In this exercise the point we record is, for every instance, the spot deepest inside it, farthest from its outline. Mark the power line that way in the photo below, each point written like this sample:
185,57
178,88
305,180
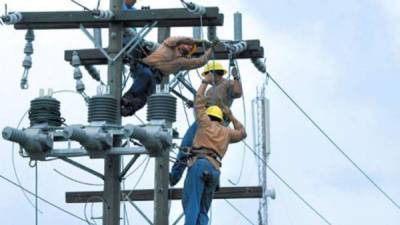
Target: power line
42,199
238,211
334,143
288,186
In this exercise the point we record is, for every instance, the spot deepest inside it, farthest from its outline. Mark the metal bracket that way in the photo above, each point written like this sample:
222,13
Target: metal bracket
128,166
91,38
82,167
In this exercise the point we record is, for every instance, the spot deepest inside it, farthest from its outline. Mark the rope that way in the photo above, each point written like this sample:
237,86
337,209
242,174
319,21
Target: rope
288,186
387,196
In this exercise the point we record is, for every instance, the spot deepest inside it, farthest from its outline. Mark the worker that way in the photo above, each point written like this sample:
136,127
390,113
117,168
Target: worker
223,90
209,147
173,55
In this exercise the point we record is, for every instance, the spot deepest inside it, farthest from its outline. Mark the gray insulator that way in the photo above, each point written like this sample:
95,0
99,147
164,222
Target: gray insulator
237,26
161,107
80,86
27,63
104,15
30,35
91,141
28,50
76,61
259,64
77,73
12,18
196,9
212,33
14,135
45,110
238,47
35,143
154,141
103,109
93,72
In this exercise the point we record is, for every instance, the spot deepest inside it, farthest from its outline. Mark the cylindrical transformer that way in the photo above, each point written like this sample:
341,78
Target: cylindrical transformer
237,26
103,108
161,106
45,110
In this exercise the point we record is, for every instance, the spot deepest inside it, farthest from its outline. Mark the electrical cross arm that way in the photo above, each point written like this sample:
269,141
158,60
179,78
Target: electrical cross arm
95,57
250,192
178,17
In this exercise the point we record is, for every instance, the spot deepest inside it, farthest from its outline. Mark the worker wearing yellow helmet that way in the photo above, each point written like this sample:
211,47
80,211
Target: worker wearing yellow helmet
223,90
210,144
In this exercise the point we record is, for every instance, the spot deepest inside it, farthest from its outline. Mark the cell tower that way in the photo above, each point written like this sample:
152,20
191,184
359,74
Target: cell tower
262,145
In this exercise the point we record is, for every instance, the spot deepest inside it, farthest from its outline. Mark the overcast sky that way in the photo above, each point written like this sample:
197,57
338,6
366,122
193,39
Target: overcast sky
338,59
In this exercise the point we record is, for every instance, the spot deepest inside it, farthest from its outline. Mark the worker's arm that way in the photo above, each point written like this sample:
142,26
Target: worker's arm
235,84
193,63
239,132
174,41
200,105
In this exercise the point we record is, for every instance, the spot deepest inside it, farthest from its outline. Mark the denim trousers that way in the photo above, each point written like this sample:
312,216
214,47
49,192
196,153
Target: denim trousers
201,182
143,86
180,165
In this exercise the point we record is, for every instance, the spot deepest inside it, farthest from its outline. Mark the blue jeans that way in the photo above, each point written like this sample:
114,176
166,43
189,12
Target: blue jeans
143,86
198,191
180,165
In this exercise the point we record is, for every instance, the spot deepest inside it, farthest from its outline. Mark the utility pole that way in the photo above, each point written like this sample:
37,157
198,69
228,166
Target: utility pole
112,163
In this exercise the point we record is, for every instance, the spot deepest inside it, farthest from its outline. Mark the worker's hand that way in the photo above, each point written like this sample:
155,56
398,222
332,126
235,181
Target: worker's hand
202,100
215,43
227,111
235,73
208,78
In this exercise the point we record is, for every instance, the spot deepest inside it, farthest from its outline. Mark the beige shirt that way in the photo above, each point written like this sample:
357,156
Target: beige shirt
223,90
213,135
167,60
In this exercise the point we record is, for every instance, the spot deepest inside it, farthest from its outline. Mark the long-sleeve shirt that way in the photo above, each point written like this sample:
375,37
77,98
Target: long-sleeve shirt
212,134
168,61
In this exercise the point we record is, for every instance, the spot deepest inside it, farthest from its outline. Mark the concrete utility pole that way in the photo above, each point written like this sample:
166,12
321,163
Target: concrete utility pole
112,164
161,181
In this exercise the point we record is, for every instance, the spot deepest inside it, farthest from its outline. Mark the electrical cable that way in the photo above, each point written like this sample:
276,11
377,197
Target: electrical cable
238,211
42,199
184,107
75,180
287,185
388,197
36,193
134,170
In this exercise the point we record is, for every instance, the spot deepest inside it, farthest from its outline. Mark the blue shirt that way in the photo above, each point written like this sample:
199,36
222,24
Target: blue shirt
127,7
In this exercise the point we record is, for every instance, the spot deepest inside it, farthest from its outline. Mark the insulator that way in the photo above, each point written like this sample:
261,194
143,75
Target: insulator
93,72
95,140
76,61
212,33
104,15
45,110
12,18
238,47
194,8
103,109
28,50
37,142
27,63
259,64
161,106
77,73
14,135
79,86
237,26
30,35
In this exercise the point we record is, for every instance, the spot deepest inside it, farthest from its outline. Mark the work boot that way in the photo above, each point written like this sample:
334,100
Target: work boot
129,105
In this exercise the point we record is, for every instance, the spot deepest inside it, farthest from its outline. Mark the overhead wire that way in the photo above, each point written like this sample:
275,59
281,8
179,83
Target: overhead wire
41,198
337,147
287,185
239,211
75,180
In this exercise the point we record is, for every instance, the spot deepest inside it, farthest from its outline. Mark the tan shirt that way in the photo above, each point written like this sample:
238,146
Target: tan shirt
168,61
223,90
213,135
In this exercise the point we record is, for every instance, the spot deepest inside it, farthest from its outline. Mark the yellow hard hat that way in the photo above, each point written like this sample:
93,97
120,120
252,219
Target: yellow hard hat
215,111
214,66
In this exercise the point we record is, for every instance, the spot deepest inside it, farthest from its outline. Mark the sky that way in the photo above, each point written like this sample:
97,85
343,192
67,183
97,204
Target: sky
337,59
